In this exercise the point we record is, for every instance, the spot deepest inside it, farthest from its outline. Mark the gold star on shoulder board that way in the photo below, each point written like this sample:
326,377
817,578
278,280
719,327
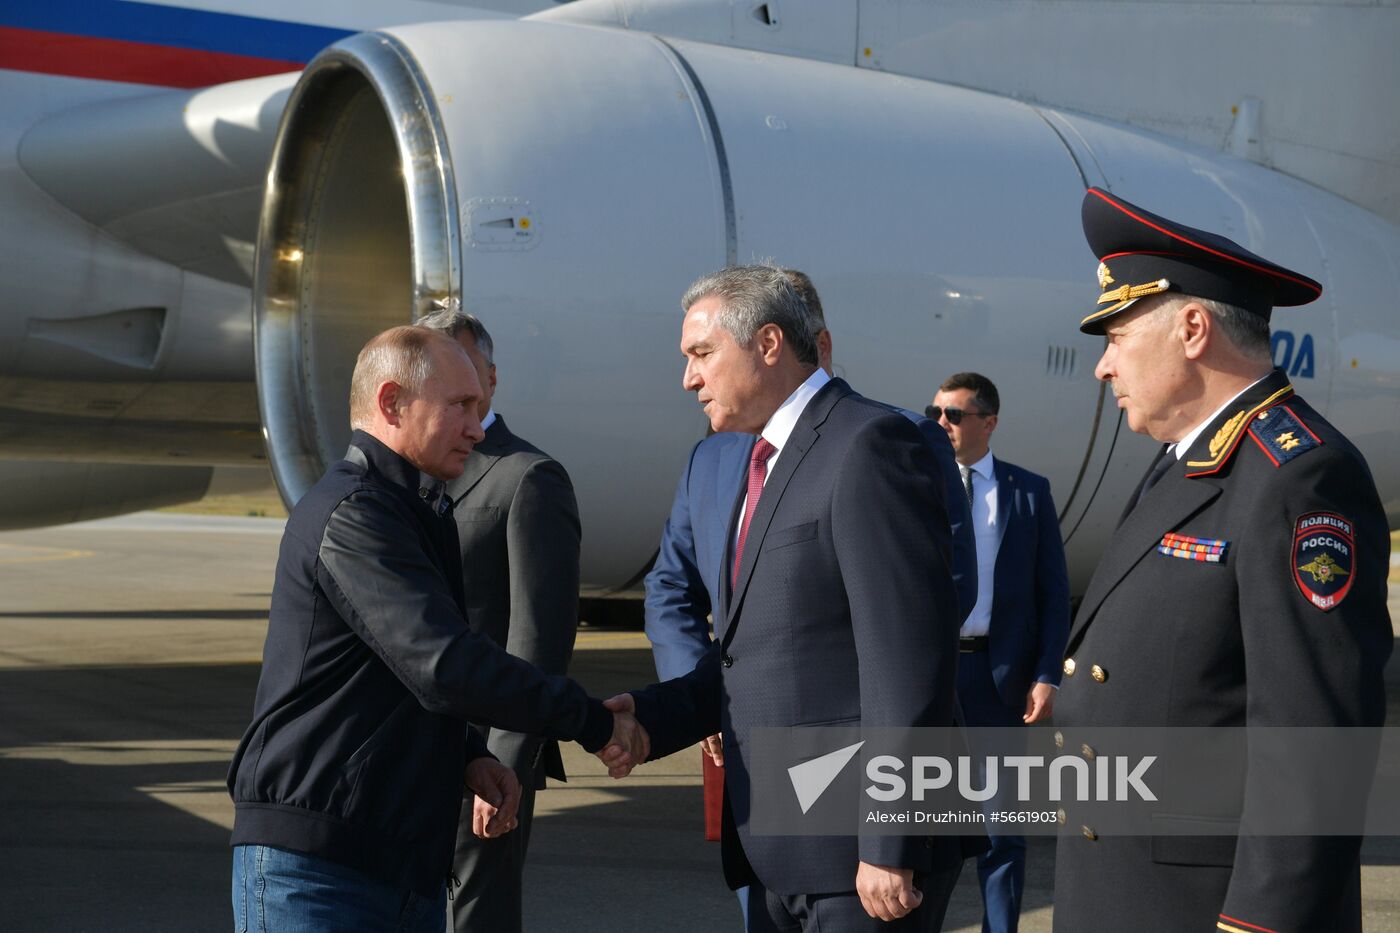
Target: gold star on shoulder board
1287,441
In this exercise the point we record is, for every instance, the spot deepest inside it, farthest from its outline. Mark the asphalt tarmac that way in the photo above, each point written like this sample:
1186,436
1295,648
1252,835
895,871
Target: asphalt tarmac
129,653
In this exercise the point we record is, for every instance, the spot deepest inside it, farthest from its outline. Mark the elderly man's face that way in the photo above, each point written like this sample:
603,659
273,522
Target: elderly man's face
439,424
726,378
1147,369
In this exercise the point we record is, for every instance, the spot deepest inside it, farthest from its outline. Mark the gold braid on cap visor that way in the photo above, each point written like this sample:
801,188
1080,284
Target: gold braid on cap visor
1119,297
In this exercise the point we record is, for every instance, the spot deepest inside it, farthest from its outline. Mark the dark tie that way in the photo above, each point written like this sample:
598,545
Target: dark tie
967,482
1164,462
758,472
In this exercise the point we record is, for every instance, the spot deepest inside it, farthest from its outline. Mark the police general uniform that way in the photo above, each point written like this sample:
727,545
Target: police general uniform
1246,586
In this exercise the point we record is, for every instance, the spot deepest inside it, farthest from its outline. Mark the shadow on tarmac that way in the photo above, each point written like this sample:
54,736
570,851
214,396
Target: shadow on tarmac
114,816
183,615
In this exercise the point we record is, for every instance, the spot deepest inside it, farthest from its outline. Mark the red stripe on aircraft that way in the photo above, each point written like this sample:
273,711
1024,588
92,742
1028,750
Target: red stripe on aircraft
57,53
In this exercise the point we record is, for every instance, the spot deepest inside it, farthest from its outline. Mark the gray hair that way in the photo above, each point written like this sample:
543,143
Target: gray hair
452,321
1246,331
400,354
756,296
816,318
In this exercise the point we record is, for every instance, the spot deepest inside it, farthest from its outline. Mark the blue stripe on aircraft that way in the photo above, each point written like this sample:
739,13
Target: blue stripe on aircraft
173,26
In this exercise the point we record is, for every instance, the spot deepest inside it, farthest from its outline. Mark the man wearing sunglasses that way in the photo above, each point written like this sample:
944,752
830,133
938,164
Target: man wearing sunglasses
1013,641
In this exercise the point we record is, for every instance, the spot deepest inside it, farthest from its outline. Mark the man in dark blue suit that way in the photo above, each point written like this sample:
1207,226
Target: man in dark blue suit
1012,643
683,586
835,600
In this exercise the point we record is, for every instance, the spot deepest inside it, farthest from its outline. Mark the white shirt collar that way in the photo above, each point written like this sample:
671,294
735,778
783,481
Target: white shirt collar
1189,438
983,467
489,420
779,427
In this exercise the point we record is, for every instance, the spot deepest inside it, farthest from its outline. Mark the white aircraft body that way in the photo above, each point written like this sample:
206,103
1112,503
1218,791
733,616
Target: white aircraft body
197,238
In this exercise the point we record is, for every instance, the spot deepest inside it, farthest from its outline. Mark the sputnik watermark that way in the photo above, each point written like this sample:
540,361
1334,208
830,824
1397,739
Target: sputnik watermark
845,780
1117,778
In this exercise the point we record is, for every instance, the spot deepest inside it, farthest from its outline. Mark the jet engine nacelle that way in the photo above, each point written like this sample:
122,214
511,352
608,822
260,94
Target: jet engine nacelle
35,493
566,183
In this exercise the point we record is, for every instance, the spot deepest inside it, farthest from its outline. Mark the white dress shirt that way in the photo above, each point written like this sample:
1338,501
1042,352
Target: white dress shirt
988,536
1183,445
489,420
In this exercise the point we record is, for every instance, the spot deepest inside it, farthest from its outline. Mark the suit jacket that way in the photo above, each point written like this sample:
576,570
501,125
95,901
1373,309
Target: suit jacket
1030,603
1182,631
682,588
843,611
518,525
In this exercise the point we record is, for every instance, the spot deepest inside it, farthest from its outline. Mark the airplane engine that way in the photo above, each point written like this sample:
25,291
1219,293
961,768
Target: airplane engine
566,183
35,493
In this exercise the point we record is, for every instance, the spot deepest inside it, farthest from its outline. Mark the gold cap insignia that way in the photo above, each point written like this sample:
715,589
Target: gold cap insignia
1104,278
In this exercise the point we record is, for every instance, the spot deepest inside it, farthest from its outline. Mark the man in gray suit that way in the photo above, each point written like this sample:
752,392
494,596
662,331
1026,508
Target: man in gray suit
518,526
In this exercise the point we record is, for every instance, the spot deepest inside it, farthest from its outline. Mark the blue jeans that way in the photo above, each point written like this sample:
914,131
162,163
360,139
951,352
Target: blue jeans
277,891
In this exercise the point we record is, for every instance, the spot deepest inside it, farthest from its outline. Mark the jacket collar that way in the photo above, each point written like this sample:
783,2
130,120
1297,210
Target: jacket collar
372,454
1215,445
483,457
1006,493
804,435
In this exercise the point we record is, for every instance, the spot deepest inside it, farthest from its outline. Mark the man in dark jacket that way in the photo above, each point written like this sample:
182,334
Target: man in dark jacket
836,603
518,525
347,783
1244,587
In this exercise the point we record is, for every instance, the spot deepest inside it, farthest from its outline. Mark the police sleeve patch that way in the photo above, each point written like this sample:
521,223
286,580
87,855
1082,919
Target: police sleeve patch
1281,434
1324,551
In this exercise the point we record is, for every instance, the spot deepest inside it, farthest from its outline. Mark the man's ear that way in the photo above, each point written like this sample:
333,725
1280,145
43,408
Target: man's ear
491,372
770,343
388,398
1195,329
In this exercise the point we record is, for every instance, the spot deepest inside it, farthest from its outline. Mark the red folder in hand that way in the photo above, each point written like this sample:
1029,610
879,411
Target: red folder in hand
713,776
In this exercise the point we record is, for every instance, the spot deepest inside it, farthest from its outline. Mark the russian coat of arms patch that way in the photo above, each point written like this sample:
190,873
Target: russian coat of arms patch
1324,546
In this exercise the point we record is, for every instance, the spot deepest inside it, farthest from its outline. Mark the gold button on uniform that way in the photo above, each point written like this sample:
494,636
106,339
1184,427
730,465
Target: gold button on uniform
1059,739
1087,751
1089,834
1069,667
1098,673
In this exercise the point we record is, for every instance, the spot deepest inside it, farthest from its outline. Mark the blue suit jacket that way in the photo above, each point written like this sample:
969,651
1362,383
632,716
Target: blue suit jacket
683,586
843,611
1030,606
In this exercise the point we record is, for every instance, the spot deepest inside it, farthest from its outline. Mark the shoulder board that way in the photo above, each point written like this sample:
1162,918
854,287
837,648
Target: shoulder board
1282,435
1227,439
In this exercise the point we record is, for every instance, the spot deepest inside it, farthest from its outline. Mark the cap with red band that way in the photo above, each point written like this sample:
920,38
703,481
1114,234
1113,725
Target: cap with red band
1142,254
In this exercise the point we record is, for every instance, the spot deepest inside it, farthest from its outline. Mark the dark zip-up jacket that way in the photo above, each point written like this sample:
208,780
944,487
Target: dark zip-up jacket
358,743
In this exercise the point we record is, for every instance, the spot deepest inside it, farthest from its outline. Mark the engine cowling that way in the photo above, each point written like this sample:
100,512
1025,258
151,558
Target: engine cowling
566,183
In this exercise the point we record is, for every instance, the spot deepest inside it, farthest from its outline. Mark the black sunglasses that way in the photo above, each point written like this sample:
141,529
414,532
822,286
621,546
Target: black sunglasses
954,415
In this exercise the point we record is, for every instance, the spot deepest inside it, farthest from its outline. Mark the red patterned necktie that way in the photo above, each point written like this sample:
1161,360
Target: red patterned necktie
758,472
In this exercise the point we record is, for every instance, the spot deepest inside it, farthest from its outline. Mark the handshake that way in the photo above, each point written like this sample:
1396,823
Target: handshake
630,745
497,789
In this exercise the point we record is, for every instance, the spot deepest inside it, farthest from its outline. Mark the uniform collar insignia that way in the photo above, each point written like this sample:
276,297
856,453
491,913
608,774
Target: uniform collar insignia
1225,434
1226,439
